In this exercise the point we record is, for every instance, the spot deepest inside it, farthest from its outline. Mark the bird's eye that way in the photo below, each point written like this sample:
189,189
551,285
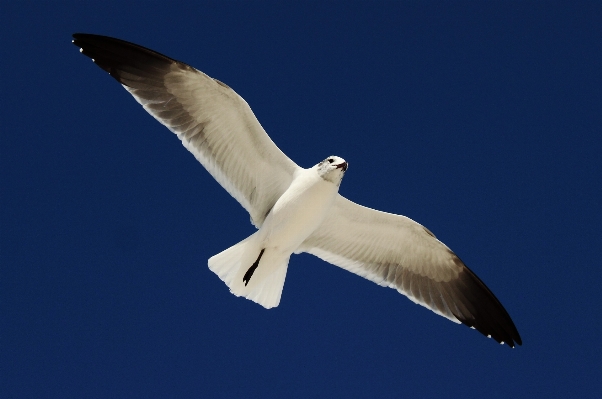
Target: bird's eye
330,160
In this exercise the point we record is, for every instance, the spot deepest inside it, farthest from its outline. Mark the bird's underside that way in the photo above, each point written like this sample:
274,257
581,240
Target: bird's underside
218,127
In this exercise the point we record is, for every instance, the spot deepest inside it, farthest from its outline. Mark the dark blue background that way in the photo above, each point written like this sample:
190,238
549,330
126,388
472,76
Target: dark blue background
480,121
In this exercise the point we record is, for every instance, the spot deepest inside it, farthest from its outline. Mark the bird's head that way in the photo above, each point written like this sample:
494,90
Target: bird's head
332,169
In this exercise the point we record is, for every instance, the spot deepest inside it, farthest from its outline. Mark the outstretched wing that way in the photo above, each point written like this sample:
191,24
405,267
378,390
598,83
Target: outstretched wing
213,122
394,251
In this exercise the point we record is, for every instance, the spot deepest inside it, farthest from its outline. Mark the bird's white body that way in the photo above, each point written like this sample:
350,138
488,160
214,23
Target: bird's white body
299,211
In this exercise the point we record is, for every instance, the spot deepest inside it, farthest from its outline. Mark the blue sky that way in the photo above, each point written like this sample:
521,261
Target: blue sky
480,121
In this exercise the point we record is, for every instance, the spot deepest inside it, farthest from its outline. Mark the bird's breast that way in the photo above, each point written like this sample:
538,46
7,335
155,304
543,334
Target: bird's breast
298,212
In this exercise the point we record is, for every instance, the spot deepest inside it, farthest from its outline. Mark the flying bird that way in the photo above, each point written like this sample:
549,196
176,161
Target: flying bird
294,209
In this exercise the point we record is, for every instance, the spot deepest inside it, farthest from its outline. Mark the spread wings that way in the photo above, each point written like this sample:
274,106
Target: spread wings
219,128
394,251
213,122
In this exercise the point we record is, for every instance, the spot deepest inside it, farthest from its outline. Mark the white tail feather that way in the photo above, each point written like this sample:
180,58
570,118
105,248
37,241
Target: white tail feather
266,283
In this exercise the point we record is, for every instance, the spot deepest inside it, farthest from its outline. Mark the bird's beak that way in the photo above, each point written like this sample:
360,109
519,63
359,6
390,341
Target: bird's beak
342,166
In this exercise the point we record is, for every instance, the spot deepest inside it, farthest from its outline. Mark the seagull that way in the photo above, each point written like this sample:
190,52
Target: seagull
294,209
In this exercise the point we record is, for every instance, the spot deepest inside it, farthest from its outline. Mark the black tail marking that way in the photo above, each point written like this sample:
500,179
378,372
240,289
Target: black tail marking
251,270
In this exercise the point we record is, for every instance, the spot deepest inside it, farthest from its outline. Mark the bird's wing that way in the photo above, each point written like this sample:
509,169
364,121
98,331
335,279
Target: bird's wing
394,251
213,122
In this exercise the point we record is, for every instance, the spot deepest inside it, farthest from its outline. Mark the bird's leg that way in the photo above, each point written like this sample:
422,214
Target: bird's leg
251,270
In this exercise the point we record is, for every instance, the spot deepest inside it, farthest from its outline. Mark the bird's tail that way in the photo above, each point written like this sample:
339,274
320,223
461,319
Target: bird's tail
251,271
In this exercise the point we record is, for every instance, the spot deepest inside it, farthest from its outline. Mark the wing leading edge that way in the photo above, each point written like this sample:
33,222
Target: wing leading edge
394,251
207,116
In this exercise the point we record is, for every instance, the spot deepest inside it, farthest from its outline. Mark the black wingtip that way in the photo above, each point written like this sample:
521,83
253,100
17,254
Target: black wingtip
487,315
127,62
83,40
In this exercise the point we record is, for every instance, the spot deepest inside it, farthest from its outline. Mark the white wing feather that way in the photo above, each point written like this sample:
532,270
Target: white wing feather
390,250
213,122
394,251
